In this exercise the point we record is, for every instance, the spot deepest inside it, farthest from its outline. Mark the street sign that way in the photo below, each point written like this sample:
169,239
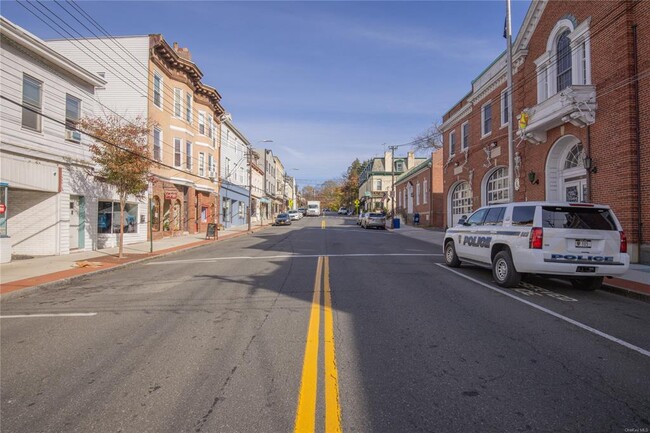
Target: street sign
357,202
367,194
170,195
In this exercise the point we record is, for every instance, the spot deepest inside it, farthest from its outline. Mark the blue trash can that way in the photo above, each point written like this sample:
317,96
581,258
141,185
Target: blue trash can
395,223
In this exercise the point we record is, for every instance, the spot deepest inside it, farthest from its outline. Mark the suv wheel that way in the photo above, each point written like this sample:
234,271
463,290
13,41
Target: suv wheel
451,258
503,270
588,283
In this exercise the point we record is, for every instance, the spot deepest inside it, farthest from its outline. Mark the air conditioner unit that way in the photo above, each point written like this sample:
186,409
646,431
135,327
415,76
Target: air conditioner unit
72,135
212,174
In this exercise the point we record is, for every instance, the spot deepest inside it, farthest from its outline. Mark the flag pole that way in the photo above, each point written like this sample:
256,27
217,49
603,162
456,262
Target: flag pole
511,147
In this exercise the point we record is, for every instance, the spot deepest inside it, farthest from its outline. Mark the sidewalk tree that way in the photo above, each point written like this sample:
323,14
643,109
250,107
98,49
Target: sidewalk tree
429,139
121,156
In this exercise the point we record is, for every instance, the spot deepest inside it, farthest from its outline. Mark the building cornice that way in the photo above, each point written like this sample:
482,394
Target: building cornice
168,57
457,116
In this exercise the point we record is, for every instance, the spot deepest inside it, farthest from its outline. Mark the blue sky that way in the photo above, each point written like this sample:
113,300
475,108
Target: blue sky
328,82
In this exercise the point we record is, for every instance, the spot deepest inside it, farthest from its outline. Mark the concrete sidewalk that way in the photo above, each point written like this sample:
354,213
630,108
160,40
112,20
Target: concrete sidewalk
635,282
21,274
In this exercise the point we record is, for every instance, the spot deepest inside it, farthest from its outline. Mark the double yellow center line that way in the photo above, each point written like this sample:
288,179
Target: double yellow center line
306,412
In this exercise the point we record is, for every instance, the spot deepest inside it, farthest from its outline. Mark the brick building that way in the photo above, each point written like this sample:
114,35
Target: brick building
578,91
419,190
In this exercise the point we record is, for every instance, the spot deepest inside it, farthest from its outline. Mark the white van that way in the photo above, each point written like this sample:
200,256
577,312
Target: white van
579,241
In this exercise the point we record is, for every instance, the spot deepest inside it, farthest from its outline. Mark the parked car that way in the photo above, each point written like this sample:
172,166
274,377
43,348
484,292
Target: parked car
577,241
343,211
303,210
374,219
294,215
360,217
282,220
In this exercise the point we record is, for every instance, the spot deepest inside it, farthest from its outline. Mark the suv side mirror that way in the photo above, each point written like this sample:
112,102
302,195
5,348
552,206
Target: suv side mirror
462,220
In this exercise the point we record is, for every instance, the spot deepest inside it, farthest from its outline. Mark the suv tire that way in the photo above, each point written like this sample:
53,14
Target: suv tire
451,258
588,283
503,270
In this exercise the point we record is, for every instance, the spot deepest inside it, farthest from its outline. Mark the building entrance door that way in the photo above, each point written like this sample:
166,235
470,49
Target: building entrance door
77,222
575,191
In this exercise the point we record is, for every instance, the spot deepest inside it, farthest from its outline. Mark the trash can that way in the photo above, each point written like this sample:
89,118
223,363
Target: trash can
395,223
416,218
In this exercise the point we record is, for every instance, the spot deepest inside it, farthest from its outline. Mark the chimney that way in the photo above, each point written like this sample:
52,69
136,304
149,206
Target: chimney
182,52
388,161
410,160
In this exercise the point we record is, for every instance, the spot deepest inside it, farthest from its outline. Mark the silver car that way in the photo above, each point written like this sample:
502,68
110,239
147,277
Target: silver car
374,219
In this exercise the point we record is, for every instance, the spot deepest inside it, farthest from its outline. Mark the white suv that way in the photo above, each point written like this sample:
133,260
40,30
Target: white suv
578,241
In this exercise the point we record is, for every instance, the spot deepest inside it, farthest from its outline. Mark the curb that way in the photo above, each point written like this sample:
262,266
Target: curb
63,281
628,293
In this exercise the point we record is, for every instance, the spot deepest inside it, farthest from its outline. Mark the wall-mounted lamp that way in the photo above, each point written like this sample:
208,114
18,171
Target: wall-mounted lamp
589,165
456,164
532,177
493,144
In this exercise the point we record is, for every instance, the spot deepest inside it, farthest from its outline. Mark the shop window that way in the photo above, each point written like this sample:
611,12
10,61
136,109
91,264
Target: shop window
108,217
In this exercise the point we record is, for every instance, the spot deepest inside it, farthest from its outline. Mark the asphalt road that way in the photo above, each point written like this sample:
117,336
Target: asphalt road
321,324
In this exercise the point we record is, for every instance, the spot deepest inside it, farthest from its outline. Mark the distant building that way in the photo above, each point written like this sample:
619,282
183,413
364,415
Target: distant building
375,181
234,176
419,191
579,94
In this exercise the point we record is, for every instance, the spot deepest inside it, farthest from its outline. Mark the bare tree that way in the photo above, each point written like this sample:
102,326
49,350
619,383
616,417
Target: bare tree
429,139
120,153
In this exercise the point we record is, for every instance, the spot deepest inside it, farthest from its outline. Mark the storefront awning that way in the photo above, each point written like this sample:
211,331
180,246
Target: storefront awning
265,200
204,188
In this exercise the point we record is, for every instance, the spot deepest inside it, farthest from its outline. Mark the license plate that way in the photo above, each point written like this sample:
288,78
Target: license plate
586,269
583,243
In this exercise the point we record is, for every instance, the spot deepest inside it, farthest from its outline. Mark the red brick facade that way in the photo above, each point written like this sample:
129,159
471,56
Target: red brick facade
611,141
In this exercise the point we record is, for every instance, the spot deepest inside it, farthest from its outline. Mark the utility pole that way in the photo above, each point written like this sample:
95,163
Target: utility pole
250,188
392,186
511,147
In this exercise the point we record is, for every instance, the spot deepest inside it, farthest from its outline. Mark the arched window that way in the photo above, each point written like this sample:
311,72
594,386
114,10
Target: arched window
575,157
563,61
497,186
461,201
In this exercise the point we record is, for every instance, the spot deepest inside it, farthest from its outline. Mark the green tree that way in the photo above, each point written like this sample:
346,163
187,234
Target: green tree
120,153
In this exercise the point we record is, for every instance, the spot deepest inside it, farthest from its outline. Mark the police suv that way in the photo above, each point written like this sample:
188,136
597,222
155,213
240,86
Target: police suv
581,242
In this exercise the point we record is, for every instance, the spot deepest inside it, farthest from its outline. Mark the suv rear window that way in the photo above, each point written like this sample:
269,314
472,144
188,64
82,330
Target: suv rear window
577,218
523,215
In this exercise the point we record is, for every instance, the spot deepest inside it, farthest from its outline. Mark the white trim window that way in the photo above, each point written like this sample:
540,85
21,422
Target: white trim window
157,143
72,117
497,186
464,131
188,108
201,164
188,155
32,103
461,200
378,184
202,122
158,90
178,102
211,129
452,143
505,110
567,59
226,169
486,119
178,152
425,191
212,169
417,194
563,61
399,199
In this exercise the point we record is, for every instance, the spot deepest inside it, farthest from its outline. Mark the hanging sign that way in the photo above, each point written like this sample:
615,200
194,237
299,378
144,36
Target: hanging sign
523,120
3,208
170,195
